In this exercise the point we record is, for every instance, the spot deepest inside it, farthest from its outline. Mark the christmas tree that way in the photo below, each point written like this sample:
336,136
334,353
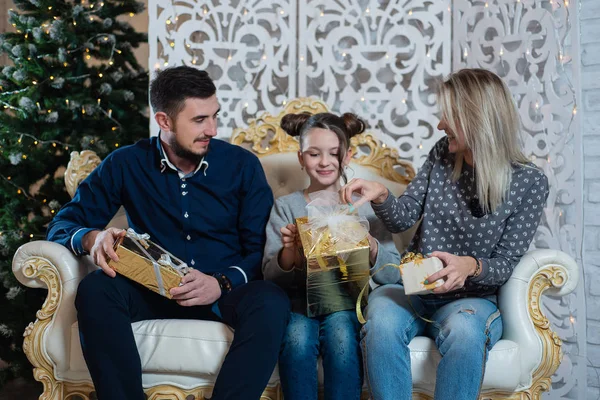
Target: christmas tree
75,85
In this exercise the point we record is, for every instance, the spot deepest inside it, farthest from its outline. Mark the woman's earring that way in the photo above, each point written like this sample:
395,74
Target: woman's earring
302,168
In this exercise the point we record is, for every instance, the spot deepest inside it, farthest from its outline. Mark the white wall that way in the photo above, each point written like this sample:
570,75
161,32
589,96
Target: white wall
590,81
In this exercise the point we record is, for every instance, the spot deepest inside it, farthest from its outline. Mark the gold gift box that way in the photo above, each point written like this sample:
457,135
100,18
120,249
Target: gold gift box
334,279
135,264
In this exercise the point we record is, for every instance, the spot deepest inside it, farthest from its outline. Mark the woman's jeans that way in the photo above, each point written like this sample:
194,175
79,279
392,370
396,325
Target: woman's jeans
464,331
336,338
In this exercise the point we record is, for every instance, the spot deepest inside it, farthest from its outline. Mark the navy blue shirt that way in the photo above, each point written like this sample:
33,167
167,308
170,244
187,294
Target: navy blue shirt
213,218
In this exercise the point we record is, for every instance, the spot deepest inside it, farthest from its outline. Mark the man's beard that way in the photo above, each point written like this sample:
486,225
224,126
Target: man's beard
184,153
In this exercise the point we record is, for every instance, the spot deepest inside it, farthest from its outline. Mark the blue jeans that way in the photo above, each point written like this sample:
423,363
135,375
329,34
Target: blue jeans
336,338
464,331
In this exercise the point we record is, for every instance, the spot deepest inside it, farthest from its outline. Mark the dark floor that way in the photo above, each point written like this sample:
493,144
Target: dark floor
21,390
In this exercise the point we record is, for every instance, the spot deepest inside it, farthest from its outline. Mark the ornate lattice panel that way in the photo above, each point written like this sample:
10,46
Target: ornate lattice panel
381,60
523,42
248,48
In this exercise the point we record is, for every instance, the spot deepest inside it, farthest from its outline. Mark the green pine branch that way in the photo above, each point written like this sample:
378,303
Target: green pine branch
74,84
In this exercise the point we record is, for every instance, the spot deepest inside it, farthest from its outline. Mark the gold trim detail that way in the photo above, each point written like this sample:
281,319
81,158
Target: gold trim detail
33,343
265,136
163,392
80,166
548,277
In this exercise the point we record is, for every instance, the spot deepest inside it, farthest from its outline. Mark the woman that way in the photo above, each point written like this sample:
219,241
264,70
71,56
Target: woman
480,201
324,153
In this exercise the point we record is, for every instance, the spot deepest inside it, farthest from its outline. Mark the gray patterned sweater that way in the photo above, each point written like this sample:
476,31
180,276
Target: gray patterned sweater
285,211
499,238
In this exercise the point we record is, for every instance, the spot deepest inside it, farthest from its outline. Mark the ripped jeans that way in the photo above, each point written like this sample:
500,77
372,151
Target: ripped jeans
336,338
464,331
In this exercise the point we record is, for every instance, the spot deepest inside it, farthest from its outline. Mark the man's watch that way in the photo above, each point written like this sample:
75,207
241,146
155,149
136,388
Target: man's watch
224,282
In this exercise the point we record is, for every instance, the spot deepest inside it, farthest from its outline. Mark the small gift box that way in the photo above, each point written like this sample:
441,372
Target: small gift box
335,252
415,269
145,262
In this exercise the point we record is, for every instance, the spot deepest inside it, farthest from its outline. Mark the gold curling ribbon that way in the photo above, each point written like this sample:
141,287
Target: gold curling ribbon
318,251
417,258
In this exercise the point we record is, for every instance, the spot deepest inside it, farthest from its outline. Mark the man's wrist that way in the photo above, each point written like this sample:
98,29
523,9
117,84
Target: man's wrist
224,282
88,240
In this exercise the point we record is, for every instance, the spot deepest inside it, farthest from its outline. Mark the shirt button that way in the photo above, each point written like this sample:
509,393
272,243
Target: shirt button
189,237
183,179
183,185
186,215
193,262
183,193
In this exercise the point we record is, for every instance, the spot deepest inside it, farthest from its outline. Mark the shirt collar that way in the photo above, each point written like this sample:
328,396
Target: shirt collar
165,162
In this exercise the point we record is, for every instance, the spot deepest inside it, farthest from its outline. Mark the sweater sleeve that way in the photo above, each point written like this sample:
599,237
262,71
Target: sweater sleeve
387,253
518,233
401,213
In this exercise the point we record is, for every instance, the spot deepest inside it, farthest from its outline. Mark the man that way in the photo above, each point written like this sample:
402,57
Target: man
207,202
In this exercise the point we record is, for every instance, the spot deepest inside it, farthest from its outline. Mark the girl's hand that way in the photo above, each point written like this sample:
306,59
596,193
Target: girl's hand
289,254
369,190
289,234
373,248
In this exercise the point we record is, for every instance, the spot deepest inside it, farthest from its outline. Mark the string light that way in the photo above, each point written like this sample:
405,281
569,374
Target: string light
131,14
110,113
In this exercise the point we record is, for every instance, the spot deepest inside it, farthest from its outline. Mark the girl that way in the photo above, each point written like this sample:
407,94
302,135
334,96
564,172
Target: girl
324,154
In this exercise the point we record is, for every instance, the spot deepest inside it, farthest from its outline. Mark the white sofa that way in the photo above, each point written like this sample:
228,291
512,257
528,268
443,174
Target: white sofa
182,358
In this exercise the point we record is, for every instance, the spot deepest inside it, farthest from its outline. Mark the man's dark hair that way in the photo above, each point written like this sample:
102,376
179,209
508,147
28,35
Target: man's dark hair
172,86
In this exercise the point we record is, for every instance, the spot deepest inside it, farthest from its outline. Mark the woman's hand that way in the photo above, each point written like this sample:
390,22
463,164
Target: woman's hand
455,272
288,255
369,190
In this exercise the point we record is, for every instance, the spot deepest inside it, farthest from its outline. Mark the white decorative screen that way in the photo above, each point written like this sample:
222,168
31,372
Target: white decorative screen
247,47
381,59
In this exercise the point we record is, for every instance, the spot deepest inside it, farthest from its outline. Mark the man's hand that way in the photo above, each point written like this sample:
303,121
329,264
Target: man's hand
456,271
197,289
100,246
369,190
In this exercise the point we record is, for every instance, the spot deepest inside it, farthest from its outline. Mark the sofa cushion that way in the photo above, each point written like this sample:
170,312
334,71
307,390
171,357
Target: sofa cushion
197,348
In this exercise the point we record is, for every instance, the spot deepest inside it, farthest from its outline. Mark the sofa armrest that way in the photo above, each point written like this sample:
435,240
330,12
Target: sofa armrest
43,264
539,272
27,260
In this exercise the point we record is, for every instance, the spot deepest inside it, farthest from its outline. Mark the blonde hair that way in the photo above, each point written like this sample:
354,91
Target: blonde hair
478,102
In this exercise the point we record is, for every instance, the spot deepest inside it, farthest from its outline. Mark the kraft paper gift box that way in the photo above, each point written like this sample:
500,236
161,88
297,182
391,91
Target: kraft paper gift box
148,264
335,253
415,269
